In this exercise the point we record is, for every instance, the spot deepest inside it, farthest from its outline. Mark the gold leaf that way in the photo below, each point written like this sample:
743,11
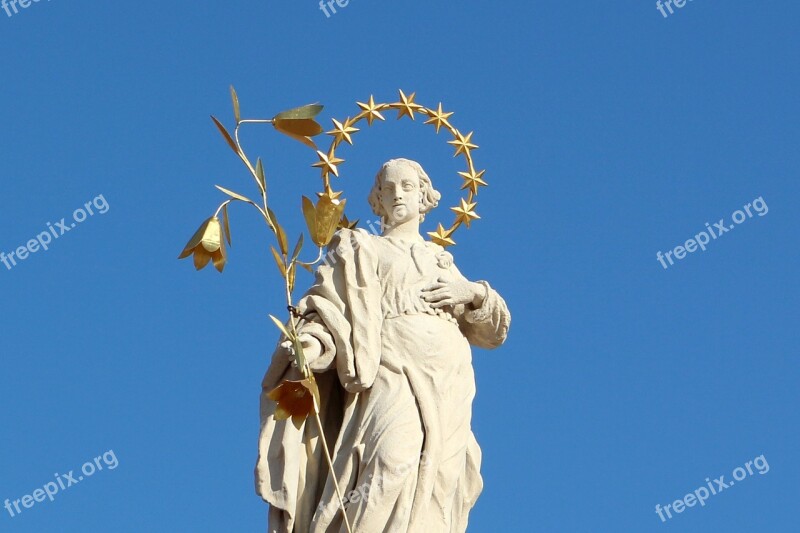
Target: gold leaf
290,276
227,135
297,247
226,224
304,111
279,261
283,242
262,178
281,327
235,99
234,195
310,214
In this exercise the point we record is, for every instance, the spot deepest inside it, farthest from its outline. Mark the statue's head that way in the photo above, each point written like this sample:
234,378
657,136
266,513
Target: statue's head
402,191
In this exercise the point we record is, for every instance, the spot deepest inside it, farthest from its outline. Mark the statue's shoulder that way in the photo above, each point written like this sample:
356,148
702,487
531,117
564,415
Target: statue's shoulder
354,237
435,248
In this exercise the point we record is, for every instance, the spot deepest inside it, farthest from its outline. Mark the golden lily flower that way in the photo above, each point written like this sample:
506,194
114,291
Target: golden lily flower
295,399
299,123
324,218
207,245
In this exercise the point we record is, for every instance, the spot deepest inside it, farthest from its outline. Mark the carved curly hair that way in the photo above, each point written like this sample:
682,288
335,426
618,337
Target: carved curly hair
429,197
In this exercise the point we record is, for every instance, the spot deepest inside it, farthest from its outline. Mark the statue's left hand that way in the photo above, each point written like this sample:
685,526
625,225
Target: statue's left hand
312,349
453,292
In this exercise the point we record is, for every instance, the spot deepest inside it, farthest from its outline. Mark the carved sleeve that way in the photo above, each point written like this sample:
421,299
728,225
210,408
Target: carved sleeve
487,326
317,329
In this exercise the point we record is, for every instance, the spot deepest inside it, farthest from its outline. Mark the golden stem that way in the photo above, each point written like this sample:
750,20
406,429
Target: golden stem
252,170
330,467
226,202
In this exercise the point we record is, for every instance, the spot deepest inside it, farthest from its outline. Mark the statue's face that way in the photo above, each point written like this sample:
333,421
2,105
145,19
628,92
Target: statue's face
400,195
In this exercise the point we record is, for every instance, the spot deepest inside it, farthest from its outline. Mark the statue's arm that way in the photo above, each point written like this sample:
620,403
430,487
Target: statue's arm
325,304
319,346
486,325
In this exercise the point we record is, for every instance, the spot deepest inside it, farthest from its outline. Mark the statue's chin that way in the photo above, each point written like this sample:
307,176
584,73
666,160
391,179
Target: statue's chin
400,215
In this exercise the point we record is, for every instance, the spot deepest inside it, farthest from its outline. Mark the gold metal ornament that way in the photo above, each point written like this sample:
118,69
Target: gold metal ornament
207,245
406,106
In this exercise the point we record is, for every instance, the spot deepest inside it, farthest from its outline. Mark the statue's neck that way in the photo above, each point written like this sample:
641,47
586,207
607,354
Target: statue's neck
406,232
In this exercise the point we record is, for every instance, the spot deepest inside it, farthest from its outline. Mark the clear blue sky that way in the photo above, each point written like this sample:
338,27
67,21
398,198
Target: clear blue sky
609,133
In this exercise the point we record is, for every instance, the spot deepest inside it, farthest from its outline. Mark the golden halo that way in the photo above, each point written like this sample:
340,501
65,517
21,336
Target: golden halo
407,107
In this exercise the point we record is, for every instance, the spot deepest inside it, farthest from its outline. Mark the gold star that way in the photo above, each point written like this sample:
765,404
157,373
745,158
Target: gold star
473,180
406,106
328,163
333,195
342,132
345,223
442,236
439,118
463,143
465,212
370,110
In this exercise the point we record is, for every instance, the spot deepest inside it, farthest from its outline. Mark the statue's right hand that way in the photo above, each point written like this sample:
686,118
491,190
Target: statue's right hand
312,348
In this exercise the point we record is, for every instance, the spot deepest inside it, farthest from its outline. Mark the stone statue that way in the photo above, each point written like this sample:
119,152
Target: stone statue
387,330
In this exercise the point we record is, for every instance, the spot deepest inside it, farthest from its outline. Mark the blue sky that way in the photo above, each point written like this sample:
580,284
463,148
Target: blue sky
609,133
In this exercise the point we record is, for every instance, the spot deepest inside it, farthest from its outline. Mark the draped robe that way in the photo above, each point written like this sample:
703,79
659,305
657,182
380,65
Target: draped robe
396,384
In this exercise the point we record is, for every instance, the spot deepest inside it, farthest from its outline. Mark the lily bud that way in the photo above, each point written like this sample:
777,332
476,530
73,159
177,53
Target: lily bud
207,245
